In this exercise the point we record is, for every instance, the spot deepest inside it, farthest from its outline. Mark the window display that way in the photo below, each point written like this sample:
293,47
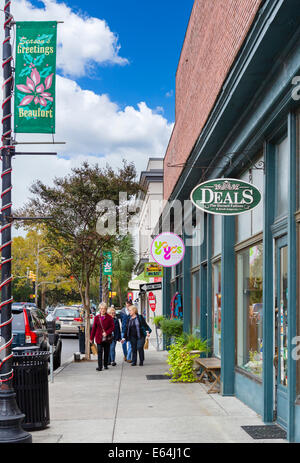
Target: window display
196,301
217,308
250,309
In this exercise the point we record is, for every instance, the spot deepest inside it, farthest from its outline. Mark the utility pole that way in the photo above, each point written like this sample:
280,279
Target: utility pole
10,415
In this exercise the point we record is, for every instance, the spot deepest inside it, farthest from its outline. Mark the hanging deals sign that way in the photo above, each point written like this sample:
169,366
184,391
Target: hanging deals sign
225,196
167,249
34,107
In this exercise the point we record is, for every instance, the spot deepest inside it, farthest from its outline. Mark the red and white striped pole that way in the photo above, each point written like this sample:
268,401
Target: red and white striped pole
10,415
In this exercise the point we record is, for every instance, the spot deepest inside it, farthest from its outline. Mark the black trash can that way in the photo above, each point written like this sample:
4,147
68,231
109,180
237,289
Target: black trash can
81,339
30,383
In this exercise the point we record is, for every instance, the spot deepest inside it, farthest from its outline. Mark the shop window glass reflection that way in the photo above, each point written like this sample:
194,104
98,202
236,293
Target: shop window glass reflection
250,309
217,308
196,301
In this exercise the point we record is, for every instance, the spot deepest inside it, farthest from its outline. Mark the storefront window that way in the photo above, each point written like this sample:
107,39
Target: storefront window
251,223
217,227
196,301
282,178
196,247
217,308
250,309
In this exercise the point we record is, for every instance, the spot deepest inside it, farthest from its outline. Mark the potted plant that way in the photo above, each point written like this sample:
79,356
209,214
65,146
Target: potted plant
157,319
171,328
195,346
180,362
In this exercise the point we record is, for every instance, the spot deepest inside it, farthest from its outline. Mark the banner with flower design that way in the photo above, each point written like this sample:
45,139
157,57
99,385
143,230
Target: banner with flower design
34,108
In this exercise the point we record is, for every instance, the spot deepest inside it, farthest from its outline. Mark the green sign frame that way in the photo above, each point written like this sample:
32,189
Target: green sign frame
225,196
35,70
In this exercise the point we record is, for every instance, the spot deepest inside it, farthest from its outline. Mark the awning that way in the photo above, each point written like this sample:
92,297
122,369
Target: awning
137,281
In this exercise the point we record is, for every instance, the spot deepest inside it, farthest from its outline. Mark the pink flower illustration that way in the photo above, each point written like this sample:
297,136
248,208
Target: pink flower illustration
36,90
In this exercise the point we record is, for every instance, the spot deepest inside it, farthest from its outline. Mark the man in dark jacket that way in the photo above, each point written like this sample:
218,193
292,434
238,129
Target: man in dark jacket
116,336
124,314
136,331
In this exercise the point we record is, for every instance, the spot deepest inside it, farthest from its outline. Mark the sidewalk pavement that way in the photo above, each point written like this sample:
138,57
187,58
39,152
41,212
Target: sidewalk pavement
121,405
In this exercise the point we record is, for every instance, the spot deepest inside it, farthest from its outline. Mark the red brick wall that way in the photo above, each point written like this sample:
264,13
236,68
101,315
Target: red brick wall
216,31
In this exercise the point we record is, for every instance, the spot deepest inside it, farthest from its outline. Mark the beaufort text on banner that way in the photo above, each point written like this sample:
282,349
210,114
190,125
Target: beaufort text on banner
35,77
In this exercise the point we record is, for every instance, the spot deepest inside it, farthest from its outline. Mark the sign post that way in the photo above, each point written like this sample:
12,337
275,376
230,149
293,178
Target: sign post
10,415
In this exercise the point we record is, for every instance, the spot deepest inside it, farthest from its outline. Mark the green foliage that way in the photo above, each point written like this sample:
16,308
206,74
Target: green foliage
193,342
181,362
171,327
157,319
123,260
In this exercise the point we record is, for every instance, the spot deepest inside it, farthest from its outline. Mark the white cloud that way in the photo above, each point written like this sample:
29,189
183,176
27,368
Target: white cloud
95,129
83,41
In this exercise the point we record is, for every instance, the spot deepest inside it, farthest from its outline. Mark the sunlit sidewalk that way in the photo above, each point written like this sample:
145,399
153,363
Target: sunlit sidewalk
122,405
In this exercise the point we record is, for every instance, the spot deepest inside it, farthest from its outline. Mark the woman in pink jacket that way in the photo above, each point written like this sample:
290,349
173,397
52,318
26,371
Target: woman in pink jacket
102,330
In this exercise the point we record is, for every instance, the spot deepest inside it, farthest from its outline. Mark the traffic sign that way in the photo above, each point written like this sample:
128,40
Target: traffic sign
150,287
152,301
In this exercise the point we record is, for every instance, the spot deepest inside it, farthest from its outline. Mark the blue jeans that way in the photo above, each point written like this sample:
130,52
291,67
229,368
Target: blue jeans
112,352
126,346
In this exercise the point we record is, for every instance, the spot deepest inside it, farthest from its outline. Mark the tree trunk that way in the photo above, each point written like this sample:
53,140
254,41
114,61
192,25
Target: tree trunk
87,312
43,297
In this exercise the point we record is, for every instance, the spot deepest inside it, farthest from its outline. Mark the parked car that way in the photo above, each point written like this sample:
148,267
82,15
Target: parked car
29,329
70,319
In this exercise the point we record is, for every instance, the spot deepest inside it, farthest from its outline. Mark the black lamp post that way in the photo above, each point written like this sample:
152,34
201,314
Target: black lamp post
10,415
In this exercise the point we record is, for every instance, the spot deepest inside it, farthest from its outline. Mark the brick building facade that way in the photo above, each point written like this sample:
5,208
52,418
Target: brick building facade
215,33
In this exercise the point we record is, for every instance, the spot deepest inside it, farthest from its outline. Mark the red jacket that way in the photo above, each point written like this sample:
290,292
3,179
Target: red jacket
107,324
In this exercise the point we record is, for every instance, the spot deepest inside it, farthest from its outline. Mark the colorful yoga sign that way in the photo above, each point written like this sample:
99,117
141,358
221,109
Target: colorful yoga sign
225,196
34,108
167,249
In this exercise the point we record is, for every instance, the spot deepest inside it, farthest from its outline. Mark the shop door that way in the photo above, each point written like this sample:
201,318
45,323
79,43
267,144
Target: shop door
281,331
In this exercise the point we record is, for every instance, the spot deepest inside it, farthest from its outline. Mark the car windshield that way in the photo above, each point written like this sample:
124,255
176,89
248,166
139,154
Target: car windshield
18,323
67,313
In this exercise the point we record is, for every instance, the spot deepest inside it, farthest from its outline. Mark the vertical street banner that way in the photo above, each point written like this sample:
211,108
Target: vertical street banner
107,263
35,68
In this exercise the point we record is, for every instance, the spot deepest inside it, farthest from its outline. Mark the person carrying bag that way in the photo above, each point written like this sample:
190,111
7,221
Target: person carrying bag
136,332
102,330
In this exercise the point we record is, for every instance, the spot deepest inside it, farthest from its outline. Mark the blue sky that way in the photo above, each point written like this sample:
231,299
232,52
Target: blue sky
151,35
111,103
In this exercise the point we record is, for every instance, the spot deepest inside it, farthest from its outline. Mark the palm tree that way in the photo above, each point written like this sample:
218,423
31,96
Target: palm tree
123,262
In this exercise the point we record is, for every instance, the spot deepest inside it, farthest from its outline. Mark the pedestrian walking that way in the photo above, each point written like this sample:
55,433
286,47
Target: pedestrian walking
126,346
136,332
116,336
102,330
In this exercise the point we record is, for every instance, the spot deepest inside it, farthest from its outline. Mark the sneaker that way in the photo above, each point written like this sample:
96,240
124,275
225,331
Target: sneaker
114,364
99,369
133,364
129,361
105,368
141,364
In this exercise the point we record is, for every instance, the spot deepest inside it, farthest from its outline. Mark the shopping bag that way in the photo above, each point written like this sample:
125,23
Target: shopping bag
146,345
94,349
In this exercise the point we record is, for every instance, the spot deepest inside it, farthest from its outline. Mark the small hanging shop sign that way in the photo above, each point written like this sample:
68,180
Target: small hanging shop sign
34,106
225,196
167,249
153,269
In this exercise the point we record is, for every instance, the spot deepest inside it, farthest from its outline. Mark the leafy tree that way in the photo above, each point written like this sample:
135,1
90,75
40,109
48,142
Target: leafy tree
72,231
30,253
123,262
